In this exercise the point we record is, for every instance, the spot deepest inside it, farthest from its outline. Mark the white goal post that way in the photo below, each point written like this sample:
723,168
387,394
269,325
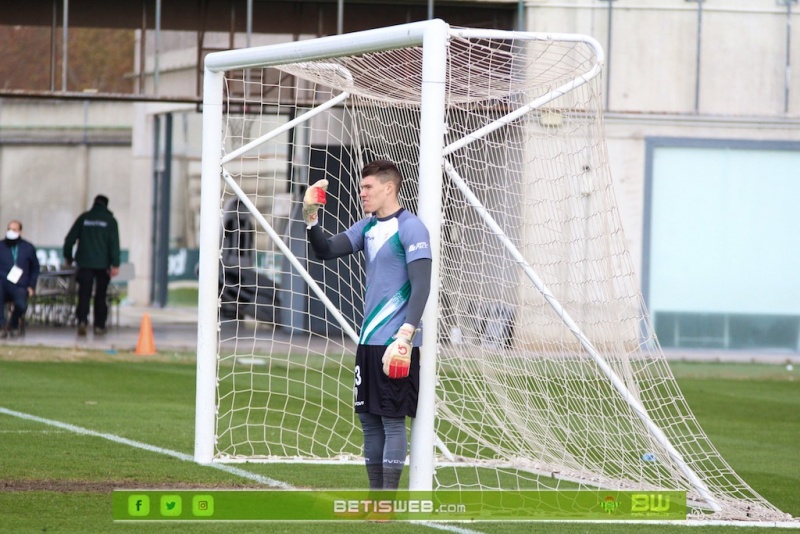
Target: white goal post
539,366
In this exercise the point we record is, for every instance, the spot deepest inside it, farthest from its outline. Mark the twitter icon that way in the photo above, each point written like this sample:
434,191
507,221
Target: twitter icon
171,505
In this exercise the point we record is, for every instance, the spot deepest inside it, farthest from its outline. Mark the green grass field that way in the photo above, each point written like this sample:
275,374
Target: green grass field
57,479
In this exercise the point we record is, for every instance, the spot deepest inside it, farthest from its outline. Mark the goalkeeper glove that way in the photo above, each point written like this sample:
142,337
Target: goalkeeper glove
397,358
314,198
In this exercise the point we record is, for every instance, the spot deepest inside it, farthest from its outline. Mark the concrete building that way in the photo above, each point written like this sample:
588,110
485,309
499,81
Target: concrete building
703,132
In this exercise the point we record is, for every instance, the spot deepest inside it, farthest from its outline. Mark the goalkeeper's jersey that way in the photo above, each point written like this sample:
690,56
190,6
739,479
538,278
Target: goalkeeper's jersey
389,245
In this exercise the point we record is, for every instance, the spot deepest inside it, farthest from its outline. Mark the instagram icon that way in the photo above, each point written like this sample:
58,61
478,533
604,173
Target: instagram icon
203,505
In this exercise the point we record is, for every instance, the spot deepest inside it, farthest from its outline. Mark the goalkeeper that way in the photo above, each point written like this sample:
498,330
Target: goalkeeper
398,265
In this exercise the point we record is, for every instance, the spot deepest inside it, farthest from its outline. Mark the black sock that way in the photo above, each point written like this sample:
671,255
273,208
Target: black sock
375,476
391,478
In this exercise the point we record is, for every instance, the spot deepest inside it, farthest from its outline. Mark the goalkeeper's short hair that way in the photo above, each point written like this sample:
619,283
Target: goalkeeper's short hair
385,170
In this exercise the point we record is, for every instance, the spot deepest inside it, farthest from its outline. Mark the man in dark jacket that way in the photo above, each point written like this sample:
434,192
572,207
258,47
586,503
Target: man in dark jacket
97,256
19,269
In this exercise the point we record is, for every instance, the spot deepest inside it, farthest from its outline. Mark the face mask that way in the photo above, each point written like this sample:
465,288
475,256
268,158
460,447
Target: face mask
12,235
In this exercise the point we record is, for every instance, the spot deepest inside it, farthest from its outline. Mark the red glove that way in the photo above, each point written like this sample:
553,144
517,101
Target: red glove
397,358
315,197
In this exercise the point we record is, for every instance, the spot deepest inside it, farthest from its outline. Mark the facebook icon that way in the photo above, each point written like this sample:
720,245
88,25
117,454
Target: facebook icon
138,505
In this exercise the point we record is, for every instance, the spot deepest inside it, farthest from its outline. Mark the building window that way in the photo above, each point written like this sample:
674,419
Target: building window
722,243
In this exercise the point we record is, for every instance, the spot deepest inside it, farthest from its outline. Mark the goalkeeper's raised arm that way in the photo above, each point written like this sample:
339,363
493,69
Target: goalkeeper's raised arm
397,256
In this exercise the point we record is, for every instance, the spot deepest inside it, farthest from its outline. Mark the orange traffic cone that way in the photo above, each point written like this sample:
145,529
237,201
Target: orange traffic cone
145,346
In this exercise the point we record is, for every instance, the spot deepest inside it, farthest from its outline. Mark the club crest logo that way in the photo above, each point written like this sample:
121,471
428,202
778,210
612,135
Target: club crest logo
609,504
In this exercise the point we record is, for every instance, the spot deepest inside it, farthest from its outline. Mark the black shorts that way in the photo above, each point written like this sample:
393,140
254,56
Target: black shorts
378,394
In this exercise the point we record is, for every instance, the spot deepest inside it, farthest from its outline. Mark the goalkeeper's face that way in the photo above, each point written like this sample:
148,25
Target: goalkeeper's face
377,197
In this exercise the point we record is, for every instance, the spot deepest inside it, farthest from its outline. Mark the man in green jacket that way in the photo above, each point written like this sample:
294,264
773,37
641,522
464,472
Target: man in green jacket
97,256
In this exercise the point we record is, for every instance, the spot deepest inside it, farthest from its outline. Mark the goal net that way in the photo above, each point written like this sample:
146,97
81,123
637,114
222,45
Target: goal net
540,366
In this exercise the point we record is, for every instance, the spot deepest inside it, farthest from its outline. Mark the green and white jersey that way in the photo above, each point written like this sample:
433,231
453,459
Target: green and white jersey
389,245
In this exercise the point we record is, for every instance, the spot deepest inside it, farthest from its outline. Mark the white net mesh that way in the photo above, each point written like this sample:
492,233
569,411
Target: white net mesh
528,212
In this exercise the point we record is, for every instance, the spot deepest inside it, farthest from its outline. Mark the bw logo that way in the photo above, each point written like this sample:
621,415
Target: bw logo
649,502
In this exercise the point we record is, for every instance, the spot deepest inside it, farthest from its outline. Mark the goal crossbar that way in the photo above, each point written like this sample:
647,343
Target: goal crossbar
393,37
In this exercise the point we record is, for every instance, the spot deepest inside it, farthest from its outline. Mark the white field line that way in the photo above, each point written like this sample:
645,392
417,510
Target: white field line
188,458
151,448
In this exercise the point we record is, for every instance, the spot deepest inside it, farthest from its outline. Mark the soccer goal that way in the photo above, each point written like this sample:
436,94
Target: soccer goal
540,369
